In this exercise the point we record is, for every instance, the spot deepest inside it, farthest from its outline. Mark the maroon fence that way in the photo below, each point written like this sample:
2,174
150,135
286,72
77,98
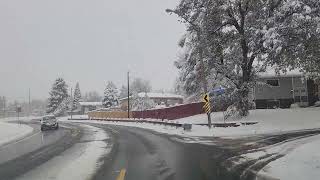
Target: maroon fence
171,113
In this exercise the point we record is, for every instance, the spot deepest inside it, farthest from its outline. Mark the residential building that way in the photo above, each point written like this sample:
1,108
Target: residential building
281,90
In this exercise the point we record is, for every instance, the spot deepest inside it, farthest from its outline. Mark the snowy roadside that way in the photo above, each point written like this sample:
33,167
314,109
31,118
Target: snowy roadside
9,119
303,162
10,132
79,162
269,121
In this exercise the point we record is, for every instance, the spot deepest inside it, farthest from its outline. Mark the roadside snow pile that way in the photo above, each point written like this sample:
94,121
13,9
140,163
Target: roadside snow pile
294,106
10,132
80,162
301,163
269,121
79,117
8,119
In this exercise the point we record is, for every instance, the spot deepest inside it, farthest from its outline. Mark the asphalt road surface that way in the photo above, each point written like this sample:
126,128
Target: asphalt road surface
19,157
137,154
146,155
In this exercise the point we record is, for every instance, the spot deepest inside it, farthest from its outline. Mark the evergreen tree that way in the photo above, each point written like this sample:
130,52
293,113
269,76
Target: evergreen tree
139,85
76,97
57,94
92,96
142,102
123,91
110,95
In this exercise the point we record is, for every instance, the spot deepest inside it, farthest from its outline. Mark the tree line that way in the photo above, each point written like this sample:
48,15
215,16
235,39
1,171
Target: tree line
60,98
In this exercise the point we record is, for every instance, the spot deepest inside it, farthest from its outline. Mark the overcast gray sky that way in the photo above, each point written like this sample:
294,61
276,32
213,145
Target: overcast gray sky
90,41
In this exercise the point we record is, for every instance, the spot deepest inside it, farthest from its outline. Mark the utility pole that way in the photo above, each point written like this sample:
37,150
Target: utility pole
29,104
128,95
71,101
4,106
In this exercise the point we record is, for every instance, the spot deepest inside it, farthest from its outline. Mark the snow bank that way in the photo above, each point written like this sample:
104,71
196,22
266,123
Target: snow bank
79,162
79,117
10,132
269,121
8,119
301,163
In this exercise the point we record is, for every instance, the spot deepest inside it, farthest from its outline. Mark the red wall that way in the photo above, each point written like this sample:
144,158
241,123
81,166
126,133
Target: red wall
171,113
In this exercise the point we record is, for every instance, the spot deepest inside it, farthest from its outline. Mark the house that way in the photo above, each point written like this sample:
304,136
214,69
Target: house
163,99
89,106
282,90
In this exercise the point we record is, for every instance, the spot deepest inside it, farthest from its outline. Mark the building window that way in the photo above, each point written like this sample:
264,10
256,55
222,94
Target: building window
273,82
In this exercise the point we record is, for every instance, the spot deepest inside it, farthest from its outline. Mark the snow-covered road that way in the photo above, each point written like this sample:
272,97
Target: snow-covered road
79,162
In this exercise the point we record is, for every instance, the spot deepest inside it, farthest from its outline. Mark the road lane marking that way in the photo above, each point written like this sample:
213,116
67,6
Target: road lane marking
122,174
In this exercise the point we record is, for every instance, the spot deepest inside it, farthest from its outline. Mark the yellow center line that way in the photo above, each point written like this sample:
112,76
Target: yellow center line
122,174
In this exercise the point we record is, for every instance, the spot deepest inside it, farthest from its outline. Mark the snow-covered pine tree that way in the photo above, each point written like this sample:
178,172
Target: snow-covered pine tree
110,95
76,97
139,85
142,102
92,96
57,94
237,39
123,91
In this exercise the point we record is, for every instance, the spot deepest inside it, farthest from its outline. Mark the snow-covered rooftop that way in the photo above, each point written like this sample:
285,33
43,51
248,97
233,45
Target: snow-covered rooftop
90,103
158,95
270,72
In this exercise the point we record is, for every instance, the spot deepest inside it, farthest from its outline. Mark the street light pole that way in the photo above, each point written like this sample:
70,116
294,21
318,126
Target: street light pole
29,104
128,95
71,100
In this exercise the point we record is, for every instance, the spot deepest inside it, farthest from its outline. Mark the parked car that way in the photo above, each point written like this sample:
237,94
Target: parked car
49,122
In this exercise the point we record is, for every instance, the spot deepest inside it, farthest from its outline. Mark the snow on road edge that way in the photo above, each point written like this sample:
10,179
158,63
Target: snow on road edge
301,163
80,162
10,132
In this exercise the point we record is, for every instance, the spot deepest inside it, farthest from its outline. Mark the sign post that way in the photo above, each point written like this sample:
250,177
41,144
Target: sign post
18,110
207,107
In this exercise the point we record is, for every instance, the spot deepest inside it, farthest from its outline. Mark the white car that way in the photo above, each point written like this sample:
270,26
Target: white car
49,122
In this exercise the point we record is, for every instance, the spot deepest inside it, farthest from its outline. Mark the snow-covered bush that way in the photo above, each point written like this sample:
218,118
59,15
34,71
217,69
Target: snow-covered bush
317,104
294,106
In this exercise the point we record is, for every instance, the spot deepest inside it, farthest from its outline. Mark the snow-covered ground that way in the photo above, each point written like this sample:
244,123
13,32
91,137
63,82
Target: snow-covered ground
10,132
269,121
78,162
303,162
8,119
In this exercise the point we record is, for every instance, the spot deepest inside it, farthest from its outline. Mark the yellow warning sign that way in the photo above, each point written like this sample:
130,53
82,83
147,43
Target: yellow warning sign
207,105
206,98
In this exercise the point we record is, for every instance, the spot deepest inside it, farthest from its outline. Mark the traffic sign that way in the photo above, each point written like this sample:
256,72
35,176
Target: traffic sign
207,106
206,98
18,109
218,91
